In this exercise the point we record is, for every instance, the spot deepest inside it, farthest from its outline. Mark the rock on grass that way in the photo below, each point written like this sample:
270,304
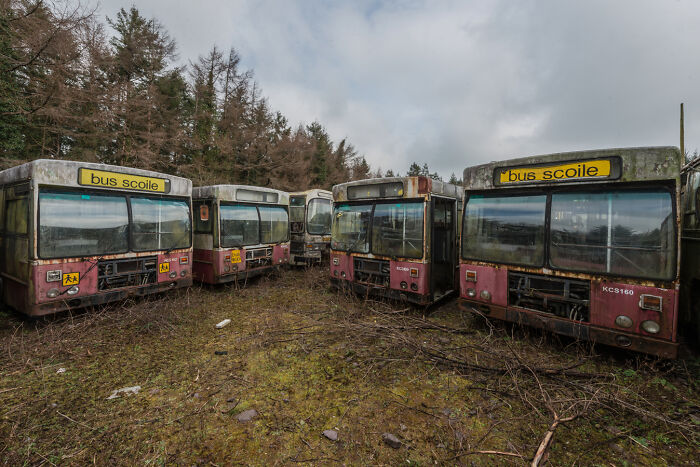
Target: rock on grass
247,415
391,440
331,434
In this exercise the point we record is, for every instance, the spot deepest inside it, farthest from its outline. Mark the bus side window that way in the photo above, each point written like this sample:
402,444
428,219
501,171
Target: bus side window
203,217
16,216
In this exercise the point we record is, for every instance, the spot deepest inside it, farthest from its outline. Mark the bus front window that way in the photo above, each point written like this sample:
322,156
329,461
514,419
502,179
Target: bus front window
319,217
274,224
78,224
629,233
397,230
505,229
160,224
240,225
297,206
350,225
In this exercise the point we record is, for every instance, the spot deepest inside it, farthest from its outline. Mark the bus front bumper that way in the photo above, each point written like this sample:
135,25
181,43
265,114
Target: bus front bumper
577,330
385,292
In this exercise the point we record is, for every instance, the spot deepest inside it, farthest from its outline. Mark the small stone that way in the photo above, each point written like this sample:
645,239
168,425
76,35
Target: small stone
331,434
617,448
221,352
247,415
60,370
391,440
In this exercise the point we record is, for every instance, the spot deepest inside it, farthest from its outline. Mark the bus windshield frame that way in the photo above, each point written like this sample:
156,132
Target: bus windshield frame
58,206
573,224
265,226
315,209
385,211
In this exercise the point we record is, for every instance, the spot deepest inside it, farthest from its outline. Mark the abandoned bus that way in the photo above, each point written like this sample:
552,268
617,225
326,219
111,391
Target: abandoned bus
310,226
239,232
396,237
584,244
76,234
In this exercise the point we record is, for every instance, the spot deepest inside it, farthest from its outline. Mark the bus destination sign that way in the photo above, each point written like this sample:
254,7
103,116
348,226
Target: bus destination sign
121,181
562,172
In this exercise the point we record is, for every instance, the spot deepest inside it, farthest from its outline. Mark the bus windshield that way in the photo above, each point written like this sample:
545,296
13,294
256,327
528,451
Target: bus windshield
77,224
160,224
274,224
318,217
240,226
397,230
505,229
628,233
350,225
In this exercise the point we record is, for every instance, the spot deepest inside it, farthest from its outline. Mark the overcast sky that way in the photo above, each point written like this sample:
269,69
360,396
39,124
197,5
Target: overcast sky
456,83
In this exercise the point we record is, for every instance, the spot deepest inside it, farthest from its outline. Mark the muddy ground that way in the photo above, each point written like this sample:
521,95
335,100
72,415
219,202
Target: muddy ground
450,388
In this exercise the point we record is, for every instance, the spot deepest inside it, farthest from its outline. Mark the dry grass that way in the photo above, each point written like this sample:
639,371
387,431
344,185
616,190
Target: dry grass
452,387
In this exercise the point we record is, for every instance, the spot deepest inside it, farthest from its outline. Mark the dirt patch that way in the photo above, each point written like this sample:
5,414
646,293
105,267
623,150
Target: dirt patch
451,388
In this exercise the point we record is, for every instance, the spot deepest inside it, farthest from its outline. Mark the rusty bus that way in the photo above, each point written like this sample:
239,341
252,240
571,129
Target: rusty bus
396,237
77,234
240,231
584,244
689,311
310,226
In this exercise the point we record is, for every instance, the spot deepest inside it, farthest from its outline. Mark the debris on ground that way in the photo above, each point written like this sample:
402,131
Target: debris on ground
331,434
223,323
60,370
391,440
128,390
247,415
221,352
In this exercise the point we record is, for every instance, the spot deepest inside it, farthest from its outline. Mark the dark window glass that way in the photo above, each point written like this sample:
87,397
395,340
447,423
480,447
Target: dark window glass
629,233
297,208
505,229
240,225
318,217
203,217
17,216
160,224
397,230
376,190
76,224
350,225
274,224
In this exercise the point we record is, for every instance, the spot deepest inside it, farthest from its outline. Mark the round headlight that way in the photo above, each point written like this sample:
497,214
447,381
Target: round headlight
73,290
652,327
414,286
227,268
404,285
471,292
335,273
624,321
342,274
183,273
485,295
52,293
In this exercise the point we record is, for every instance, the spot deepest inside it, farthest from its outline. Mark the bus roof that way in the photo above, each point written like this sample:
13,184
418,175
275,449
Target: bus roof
568,168
80,174
398,187
244,193
313,193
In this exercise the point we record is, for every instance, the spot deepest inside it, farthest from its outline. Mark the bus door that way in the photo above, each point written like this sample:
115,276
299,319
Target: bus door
15,244
443,244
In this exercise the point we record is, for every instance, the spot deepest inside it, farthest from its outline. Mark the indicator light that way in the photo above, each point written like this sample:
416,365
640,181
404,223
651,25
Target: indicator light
650,302
470,276
652,327
624,321
73,290
184,259
54,276
414,272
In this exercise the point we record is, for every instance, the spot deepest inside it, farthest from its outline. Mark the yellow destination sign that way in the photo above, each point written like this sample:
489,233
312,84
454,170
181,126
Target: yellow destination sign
120,181
554,173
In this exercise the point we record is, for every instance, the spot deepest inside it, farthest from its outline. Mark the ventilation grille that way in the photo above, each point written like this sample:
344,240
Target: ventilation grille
561,297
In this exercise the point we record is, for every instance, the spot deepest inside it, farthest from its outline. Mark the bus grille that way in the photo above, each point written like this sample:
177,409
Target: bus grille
117,273
561,297
372,271
258,258
297,248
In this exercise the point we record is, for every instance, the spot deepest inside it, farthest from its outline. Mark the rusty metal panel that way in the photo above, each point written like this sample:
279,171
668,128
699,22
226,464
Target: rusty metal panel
412,187
400,271
65,173
493,279
228,193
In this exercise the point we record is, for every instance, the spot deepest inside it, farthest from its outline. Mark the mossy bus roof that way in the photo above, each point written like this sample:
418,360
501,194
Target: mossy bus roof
410,184
638,164
228,192
65,173
313,193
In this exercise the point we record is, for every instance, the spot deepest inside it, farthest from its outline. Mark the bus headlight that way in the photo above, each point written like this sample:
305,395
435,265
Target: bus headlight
54,276
52,293
227,268
485,295
471,292
73,290
173,274
183,273
404,285
652,327
342,274
624,321
336,261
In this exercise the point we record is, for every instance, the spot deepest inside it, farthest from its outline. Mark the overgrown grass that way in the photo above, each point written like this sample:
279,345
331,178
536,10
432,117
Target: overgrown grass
451,387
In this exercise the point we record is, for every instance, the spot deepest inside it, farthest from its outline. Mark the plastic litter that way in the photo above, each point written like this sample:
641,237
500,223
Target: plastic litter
223,323
129,390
